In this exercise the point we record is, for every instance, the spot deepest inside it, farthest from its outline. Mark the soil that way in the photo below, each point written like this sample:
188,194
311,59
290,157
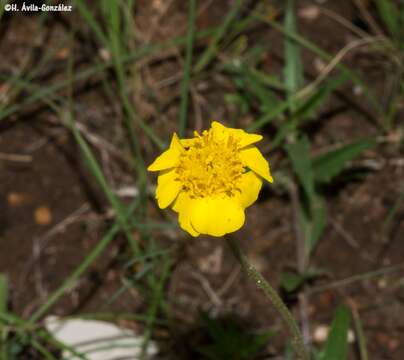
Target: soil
52,212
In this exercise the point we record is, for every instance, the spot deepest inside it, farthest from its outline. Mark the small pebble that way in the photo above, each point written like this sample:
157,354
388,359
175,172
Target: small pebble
17,199
310,13
43,215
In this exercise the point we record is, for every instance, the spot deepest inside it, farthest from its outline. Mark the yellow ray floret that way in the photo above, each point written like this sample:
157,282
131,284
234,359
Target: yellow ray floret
210,179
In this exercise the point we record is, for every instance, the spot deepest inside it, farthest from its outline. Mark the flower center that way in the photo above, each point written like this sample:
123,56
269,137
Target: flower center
210,166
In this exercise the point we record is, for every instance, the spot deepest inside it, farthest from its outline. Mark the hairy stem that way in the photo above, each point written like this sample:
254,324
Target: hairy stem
275,299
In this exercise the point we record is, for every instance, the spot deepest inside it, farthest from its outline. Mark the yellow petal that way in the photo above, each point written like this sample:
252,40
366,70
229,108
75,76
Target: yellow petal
250,186
244,138
176,143
167,188
168,158
252,157
216,216
182,205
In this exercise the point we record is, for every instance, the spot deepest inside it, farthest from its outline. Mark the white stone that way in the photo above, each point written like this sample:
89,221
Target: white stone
97,340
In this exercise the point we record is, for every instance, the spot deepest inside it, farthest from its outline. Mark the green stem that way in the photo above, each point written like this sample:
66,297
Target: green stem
275,299
361,336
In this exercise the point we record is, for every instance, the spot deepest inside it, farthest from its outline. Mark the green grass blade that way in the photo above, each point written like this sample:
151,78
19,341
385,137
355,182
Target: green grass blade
299,155
26,328
313,222
128,9
390,15
312,211
401,24
3,310
157,297
90,19
42,350
329,165
118,48
291,281
187,69
269,116
3,293
95,169
389,219
265,96
293,68
213,47
268,79
70,350
336,347
363,352
320,94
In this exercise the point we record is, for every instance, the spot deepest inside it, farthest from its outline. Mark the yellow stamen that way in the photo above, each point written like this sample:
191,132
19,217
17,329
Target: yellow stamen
210,166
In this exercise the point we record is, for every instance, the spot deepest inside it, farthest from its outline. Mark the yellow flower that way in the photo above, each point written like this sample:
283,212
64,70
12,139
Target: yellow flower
209,180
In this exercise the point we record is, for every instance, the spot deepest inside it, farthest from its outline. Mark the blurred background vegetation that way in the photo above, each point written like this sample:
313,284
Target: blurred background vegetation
89,97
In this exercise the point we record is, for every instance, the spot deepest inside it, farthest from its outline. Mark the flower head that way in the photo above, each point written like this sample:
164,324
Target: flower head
210,179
